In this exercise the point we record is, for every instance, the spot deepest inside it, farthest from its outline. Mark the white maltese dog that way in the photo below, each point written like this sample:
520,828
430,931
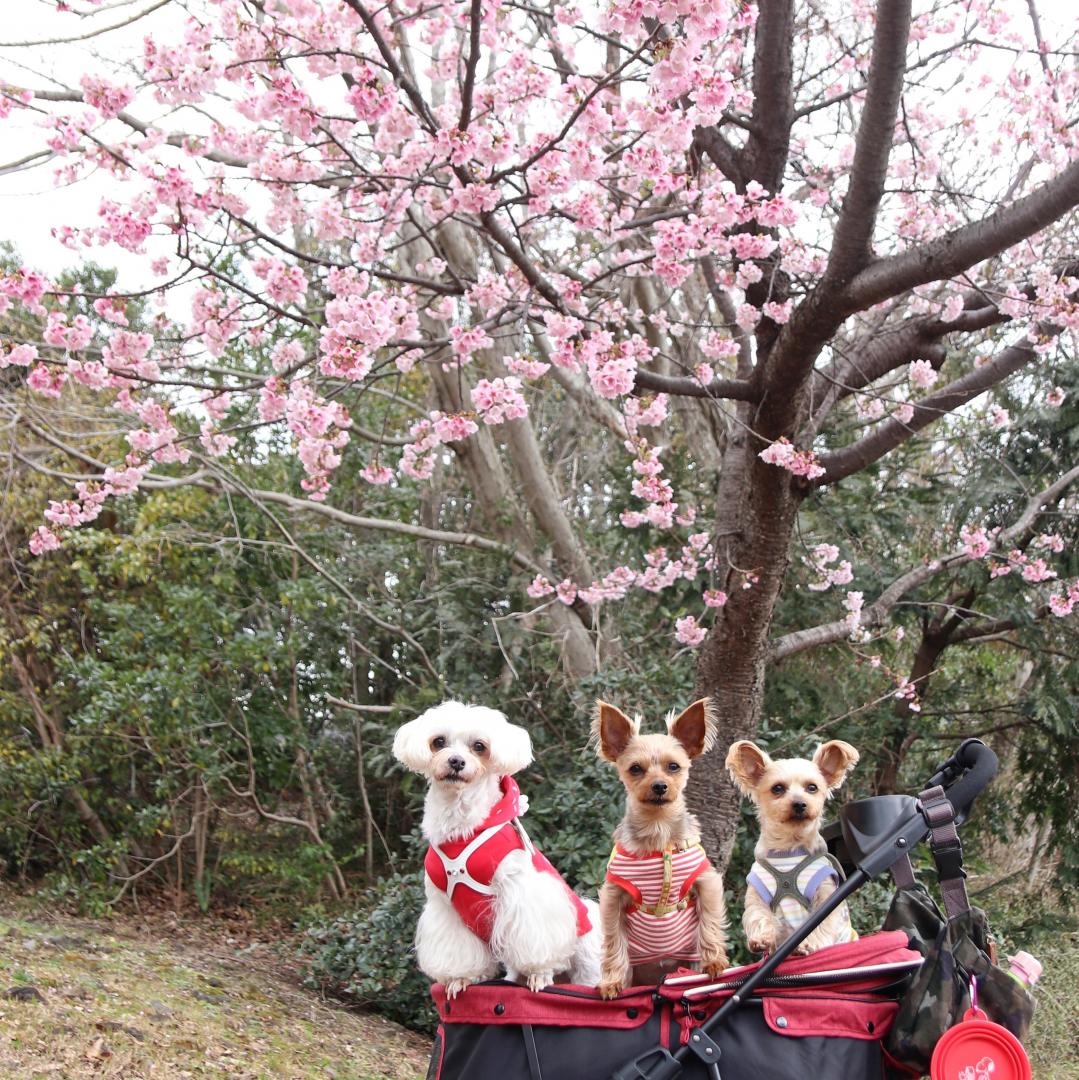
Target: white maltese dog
492,898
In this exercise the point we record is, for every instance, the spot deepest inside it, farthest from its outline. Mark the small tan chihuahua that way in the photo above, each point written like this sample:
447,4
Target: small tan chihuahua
661,905
793,873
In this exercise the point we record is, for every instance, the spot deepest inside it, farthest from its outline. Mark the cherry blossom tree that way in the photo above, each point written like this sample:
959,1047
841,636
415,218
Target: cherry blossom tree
784,241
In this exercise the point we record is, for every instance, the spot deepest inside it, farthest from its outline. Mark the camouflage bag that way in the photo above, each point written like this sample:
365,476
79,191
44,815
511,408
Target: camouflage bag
955,950
957,947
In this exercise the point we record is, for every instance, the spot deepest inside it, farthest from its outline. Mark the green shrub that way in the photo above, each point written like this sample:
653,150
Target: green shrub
368,958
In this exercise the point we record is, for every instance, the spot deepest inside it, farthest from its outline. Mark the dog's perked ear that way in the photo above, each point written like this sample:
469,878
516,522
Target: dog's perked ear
747,763
511,747
612,731
835,759
695,728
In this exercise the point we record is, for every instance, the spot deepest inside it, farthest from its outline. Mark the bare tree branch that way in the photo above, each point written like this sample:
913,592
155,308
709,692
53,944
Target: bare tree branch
851,243
764,158
958,250
892,433
475,20
89,34
732,389
874,615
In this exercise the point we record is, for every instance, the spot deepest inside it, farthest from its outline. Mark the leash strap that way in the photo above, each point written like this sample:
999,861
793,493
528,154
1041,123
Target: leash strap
903,873
947,850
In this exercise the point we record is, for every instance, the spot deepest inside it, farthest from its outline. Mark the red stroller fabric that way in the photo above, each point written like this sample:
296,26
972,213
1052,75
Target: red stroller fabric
822,1016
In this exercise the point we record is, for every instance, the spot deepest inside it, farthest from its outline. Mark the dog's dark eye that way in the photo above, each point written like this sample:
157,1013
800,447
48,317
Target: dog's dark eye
438,742
479,747
635,770
778,789
673,766
811,788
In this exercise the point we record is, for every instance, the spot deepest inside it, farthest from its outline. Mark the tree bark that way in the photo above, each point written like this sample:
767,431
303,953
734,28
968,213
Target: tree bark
756,513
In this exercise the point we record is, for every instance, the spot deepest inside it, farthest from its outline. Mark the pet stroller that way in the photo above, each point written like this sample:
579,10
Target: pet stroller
820,1017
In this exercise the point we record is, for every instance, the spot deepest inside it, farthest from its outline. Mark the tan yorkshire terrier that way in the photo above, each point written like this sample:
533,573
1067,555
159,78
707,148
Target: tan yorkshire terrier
793,873
661,905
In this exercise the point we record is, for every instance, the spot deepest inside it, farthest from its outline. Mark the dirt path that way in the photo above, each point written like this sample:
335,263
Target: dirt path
91,999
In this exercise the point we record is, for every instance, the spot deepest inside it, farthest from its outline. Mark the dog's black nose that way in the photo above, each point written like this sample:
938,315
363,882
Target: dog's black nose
798,807
457,763
659,788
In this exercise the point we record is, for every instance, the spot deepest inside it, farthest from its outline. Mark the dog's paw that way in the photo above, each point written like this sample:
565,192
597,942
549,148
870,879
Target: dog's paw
762,944
454,986
610,987
714,966
539,979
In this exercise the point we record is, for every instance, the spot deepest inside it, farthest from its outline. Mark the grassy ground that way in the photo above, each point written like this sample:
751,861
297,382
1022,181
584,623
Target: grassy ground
168,1000
90,999
1054,1036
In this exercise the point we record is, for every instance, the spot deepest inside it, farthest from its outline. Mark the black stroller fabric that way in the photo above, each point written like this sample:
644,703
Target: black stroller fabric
751,1051
825,1019
955,950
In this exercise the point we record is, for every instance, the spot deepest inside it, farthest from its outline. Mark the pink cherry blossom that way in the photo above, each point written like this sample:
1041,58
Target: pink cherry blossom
922,374
527,368
1053,542
786,456
19,356
688,632
47,381
375,473
1062,603
976,543
539,586
566,591
1038,570
216,443
104,96
853,602
907,691
499,400
43,539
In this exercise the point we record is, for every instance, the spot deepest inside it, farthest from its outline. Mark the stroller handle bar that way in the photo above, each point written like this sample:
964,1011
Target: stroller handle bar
965,775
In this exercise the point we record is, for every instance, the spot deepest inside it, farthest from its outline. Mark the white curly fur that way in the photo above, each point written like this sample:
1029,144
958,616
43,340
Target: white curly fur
534,935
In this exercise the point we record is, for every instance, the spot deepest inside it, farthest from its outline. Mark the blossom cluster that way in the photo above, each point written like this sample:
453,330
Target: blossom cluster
820,560
784,454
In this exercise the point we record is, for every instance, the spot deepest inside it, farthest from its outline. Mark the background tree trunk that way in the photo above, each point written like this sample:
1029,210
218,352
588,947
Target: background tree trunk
757,506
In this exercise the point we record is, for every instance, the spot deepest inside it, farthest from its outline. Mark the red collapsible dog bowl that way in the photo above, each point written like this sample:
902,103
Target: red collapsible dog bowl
978,1049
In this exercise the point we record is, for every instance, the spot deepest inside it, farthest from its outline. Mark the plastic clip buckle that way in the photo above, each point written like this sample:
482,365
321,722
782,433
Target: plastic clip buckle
949,859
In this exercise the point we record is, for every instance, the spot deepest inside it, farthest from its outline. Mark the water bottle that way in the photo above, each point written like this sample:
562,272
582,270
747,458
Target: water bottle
1025,969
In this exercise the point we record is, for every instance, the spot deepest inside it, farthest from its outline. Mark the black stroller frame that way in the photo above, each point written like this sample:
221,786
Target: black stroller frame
878,834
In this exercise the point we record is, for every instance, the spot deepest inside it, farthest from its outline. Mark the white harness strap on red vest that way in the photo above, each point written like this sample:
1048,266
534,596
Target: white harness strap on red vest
500,834
457,868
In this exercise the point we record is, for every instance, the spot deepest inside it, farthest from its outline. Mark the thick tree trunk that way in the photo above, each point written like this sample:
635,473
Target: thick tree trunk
757,507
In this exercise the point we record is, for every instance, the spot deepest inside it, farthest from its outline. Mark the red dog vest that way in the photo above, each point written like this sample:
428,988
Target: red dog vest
464,869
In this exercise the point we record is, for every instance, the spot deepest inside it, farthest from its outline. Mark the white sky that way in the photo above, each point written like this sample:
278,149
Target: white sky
30,203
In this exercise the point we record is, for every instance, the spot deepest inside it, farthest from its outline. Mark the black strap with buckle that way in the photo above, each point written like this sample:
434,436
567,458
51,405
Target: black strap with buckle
947,850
